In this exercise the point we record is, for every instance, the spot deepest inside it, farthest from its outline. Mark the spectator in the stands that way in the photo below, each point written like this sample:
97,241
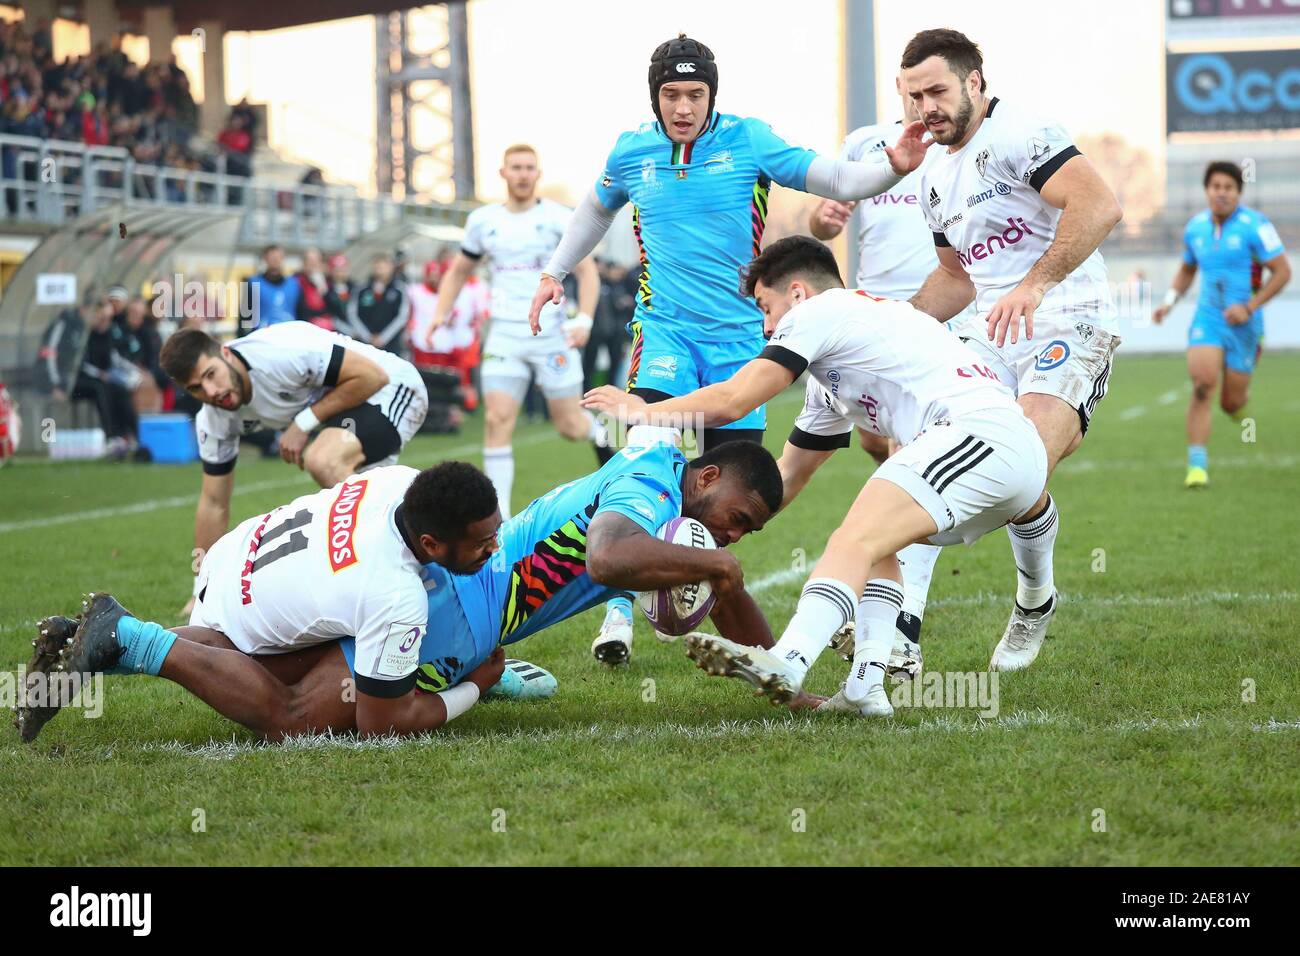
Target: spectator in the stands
314,287
339,289
378,309
60,348
273,296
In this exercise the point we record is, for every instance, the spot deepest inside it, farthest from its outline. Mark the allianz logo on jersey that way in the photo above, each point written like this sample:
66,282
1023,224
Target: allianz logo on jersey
1016,230
665,366
1001,189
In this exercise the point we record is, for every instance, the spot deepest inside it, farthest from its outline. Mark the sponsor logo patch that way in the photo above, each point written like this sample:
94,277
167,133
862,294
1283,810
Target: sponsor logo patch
665,366
343,524
401,649
982,162
1052,356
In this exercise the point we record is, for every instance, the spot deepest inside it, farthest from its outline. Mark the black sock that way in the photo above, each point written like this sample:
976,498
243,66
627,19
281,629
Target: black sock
910,625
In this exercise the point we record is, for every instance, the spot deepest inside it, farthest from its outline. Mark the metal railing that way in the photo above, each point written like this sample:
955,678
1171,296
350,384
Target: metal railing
53,182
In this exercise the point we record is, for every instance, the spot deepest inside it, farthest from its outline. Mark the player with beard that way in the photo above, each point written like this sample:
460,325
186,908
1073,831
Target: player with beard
366,403
698,181
566,552
1017,215
895,255
349,560
516,238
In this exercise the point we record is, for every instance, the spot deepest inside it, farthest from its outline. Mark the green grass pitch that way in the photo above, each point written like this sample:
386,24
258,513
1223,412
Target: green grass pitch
1161,725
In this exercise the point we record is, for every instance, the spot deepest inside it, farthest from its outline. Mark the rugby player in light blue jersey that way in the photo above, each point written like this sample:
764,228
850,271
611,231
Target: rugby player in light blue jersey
1231,244
698,182
590,539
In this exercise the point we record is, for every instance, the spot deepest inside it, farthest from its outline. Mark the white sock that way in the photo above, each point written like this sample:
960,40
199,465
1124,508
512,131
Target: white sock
499,464
597,434
917,562
1032,546
825,606
874,636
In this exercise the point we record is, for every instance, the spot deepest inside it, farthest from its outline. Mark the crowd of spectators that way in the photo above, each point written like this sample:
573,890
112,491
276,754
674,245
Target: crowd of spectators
105,99
105,352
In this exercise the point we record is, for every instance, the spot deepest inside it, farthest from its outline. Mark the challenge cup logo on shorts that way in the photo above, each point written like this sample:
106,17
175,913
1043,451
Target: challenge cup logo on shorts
343,523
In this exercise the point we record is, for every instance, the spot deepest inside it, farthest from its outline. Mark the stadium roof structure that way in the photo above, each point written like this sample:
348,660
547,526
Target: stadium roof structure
258,14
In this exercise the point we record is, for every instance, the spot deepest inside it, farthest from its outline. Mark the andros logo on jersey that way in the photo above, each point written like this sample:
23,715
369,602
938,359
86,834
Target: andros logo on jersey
343,523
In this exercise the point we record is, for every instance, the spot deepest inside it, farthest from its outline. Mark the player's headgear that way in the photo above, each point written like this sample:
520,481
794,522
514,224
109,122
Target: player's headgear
682,59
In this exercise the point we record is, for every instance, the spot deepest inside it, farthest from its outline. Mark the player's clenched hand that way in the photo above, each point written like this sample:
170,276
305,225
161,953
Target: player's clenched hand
728,579
613,402
292,442
1008,311
832,215
488,674
549,289
1159,314
907,153
1236,314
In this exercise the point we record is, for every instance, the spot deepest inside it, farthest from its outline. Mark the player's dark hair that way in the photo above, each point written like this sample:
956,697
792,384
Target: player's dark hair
1227,169
791,257
752,464
960,53
182,351
446,499
268,249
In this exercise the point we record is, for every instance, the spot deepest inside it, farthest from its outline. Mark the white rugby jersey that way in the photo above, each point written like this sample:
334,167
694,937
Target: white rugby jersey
983,201
517,245
878,364
291,365
895,246
334,564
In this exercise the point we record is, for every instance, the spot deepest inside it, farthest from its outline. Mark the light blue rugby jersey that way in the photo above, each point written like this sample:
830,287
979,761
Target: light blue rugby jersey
539,577
1229,258
698,215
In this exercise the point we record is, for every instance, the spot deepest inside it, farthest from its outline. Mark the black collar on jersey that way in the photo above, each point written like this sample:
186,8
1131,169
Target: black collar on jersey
235,352
406,537
992,103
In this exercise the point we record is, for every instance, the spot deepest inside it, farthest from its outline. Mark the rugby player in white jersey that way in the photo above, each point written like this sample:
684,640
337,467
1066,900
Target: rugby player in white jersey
971,460
348,560
517,238
895,255
1017,215
362,403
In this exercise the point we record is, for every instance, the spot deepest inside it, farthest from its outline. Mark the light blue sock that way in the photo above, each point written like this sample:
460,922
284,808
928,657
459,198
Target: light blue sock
1197,457
619,605
146,645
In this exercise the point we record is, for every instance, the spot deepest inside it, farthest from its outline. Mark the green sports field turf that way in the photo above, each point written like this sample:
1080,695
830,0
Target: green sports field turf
1161,725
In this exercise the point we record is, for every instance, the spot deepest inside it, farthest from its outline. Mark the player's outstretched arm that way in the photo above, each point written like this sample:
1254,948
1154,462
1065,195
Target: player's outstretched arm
416,711
797,466
590,222
947,290
844,179
1089,211
623,555
757,382
211,518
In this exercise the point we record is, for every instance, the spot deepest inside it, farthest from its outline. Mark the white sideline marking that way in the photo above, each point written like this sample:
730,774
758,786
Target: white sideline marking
987,598
1073,466
1169,397
177,501
1137,411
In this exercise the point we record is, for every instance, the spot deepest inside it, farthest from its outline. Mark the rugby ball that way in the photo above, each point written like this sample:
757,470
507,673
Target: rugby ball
679,610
